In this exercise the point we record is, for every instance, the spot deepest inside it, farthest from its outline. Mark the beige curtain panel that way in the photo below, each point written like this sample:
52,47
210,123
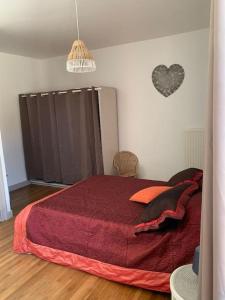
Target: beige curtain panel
212,264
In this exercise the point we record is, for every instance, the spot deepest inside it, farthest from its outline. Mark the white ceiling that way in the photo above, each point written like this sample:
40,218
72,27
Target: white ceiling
46,28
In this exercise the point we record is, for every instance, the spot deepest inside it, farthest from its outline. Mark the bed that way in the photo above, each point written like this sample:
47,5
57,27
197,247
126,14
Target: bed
90,226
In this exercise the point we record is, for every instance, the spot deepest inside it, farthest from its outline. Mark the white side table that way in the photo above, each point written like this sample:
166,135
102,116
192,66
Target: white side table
184,284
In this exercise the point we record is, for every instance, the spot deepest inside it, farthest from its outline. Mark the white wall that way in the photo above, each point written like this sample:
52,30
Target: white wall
17,75
149,124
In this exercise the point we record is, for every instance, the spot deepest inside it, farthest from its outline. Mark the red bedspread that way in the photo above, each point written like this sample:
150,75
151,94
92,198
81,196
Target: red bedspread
94,219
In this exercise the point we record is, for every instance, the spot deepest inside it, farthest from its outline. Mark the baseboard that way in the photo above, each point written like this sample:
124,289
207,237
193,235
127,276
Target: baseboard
40,182
19,185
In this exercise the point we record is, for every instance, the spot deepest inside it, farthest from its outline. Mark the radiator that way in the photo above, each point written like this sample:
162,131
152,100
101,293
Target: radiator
194,140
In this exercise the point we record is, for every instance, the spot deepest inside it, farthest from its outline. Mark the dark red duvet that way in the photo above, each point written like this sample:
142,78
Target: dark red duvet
92,223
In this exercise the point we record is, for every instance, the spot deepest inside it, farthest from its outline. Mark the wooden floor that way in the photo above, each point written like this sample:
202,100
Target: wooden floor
28,277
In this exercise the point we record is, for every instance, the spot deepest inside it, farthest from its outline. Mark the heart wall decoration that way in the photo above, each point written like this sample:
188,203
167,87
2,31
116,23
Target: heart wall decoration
168,80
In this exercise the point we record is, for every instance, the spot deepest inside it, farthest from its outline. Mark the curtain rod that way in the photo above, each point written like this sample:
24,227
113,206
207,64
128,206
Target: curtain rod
60,92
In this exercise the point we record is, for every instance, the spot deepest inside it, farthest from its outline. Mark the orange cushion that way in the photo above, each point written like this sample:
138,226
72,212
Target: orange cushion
148,194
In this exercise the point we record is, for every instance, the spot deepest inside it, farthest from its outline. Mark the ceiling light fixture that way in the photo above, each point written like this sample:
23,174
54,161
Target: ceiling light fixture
80,60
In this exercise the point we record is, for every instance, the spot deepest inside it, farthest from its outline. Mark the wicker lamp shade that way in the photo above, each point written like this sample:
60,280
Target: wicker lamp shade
80,60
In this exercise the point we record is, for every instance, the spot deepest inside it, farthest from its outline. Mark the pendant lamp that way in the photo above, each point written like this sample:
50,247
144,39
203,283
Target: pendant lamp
80,60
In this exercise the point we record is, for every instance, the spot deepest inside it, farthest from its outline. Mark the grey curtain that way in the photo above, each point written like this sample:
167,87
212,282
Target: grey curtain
5,208
61,135
40,137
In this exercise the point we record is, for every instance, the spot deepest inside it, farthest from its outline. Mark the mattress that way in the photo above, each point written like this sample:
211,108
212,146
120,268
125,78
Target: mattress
90,226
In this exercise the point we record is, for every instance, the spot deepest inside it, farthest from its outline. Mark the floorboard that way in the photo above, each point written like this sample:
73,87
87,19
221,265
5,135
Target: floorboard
27,277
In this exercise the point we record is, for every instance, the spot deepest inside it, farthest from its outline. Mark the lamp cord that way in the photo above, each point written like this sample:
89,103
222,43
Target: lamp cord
78,30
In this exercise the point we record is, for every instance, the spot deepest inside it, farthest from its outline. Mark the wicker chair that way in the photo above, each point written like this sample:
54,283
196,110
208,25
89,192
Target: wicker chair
125,163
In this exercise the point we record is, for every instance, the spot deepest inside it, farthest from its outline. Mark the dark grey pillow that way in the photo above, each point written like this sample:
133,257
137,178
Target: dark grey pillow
192,174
